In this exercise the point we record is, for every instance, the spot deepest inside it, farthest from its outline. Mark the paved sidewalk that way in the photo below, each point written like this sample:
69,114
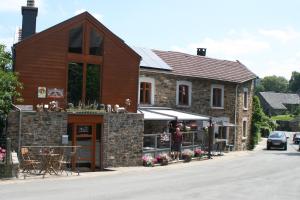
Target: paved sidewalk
121,170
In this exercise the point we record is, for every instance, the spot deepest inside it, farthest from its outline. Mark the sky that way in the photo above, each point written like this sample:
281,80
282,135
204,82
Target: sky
262,34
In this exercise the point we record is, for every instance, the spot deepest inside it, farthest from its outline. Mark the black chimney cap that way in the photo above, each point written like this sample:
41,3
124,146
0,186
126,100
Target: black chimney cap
201,51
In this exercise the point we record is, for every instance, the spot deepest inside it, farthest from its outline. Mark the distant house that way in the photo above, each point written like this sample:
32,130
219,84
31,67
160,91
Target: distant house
198,84
278,103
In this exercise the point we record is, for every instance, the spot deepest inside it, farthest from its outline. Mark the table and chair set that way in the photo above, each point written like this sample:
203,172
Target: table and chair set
52,160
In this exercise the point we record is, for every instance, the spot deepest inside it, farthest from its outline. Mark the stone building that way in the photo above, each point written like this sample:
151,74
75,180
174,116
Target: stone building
274,103
198,84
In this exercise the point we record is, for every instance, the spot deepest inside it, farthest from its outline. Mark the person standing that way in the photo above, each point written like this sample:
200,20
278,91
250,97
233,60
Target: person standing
177,141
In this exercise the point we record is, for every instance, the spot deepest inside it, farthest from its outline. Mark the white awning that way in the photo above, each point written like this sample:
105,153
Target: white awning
170,114
155,116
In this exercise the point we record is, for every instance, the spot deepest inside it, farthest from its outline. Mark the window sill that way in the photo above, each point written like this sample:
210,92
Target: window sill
245,109
183,106
218,108
244,138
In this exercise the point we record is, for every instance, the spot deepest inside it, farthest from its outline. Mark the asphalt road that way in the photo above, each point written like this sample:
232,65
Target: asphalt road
257,175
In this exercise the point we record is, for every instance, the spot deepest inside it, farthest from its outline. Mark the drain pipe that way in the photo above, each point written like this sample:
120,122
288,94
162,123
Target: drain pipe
235,116
20,126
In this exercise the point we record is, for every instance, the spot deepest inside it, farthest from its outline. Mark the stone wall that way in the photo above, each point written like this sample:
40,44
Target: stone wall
38,128
122,139
165,96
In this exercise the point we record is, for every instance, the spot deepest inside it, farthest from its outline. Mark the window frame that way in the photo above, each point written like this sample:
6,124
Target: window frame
189,85
213,86
85,58
152,90
245,91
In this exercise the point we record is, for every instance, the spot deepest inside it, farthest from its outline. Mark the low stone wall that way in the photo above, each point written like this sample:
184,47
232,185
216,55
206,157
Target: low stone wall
37,128
123,139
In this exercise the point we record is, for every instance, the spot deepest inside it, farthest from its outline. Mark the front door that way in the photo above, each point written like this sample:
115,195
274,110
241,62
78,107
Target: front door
84,136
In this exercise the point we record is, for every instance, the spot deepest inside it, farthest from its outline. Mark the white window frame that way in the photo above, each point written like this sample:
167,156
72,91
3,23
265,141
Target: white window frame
222,96
189,84
147,80
245,119
245,90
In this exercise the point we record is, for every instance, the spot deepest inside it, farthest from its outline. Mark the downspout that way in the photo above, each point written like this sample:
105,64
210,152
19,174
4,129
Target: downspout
235,116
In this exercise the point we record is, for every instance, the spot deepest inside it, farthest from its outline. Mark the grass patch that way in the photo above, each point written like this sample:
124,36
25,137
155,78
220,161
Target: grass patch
283,117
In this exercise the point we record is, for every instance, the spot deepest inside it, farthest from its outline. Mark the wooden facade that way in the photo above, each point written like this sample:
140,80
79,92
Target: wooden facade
42,61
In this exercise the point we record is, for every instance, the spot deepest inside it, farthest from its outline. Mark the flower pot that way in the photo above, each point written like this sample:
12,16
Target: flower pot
187,158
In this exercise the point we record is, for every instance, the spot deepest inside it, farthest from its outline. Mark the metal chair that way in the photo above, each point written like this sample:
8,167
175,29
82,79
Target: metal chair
29,165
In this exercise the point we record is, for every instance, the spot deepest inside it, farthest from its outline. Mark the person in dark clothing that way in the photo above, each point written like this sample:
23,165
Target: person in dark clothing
177,141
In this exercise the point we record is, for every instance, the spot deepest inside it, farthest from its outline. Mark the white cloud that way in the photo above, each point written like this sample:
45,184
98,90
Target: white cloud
98,16
283,35
234,45
15,5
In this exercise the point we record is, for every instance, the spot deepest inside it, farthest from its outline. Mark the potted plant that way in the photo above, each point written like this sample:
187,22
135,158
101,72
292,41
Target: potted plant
198,153
187,155
148,161
2,155
163,158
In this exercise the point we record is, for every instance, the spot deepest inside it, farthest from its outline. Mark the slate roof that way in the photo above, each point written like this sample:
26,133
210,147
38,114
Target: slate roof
277,100
205,67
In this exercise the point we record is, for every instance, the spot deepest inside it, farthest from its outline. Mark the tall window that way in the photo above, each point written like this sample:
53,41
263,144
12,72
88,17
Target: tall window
244,127
75,40
145,93
245,102
95,43
92,83
217,96
84,75
184,90
75,83
76,80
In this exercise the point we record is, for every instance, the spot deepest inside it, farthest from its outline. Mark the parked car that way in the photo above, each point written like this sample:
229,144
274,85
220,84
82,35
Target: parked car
296,138
277,139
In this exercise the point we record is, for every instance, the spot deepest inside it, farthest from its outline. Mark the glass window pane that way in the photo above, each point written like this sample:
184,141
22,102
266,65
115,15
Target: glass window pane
75,73
92,84
75,40
217,97
95,43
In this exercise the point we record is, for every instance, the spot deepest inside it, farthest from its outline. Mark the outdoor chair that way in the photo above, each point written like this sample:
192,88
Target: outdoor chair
65,162
28,164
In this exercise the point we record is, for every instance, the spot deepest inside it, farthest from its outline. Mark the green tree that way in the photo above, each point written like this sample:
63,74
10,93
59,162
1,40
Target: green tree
274,83
294,83
5,58
9,86
257,115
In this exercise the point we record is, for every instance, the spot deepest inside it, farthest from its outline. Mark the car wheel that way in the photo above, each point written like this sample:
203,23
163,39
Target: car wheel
285,146
268,147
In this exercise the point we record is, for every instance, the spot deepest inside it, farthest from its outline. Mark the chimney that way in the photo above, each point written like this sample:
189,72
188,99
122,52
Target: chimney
29,13
201,51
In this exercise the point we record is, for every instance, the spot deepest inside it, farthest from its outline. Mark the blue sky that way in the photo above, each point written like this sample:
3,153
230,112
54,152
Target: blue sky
262,34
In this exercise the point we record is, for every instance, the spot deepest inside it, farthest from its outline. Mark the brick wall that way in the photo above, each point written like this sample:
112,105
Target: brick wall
123,139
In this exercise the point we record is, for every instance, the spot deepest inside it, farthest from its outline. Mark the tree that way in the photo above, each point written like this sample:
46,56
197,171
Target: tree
275,84
259,121
257,115
5,59
294,83
9,86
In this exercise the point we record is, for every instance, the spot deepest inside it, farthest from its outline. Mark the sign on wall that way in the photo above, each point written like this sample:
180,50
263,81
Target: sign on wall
42,91
55,93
